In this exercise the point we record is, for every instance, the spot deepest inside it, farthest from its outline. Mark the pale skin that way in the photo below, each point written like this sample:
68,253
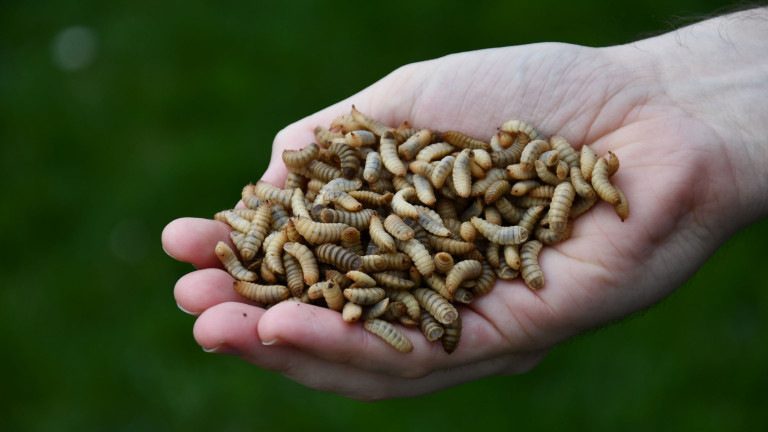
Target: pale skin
684,112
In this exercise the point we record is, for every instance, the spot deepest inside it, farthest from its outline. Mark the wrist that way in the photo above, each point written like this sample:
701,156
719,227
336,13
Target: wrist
717,72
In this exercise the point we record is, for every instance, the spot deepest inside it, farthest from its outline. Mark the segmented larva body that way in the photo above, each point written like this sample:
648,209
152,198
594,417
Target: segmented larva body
338,257
318,233
433,225
322,171
351,312
424,190
306,260
376,310
468,232
324,136
483,159
560,208
437,306
549,236
380,236
451,335
300,158
567,153
372,199
622,207
515,234
529,264
267,294
274,250
520,130
333,295
435,151
266,192
550,158
443,262
388,151
462,179
233,265
401,206
545,174
530,216
453,247
463,141
429,326
389,333
249,196
373,263
350,240
363,280
395,226
512,256
496,190
419,255
359,138
413,145
372,167
461,271
580,184
602,185
483,284
257,231
364,296
587,160
370,123
441,171
346,157
509,212
395,261
389,280
357,219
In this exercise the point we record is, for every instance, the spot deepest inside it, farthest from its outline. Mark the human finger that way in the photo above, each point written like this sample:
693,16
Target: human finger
193,240
199,290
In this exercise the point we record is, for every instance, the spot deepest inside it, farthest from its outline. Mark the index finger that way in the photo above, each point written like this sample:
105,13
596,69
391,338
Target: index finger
194,240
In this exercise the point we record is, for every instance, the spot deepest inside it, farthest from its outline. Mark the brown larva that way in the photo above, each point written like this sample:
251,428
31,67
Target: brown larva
372,167
429,326
338,257
580,184
520,130
351,312
514,234
453,247
389,280
531,153
350,240
419,254
372,199
333,296
602,185
323,171
436,305
306,260
376,310
324,136
359,138
373,263
233,266
357,219
484,282
274,251
559,209
370,123
461,271
462,179
364,296
267,294
389,158
463,141
497,190
443,262
257,231
516,171
249,196
567,153
587,160
397,228
389,333
401,206
362,279
346,158
545,174
317,233
380,236
529,264
442,171
435,151
265,192
414,144
300,158
468,232
424,190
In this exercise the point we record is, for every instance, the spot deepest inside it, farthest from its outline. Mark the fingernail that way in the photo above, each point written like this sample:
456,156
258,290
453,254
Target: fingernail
213,350
268,343
186,311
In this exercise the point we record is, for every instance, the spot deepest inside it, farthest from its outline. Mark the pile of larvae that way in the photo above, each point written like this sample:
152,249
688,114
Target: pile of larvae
398,226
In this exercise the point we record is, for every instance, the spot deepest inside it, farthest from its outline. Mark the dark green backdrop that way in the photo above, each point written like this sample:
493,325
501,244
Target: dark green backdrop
175,109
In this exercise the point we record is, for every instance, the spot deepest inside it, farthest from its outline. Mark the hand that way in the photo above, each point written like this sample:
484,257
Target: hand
678,165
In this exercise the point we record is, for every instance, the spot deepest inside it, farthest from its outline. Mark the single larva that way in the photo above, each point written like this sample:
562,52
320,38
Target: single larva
419,254
436,305
512,256
497,190
249,197
453,247
376,310
468,232
323,171
580,184
429,326
265,192
363,280
461,271
389,333
443,262
516,171
370,123
389,280
461,175
560,208
388,151
233,265
520,130
257,231
373,263
324,136
424,190
567,153
350,240
451,335
441,171
435,151
622,207
372,167
483,284
587,160
274,251
345,157
515,234
268,294
300,158
463,141
294,276
413,145
351,312
395,226
364,296
531,153
306,260
333,295
317,233
236,221
529,264
380,236
545,174
401,206
338,257
432,224
602,185
357,219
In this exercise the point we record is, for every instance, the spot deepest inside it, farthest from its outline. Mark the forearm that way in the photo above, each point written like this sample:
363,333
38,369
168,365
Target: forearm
717,72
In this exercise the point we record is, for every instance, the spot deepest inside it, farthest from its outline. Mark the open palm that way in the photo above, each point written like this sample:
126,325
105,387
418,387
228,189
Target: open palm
608,269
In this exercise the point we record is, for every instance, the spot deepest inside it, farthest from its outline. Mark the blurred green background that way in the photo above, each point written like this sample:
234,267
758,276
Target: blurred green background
118,117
